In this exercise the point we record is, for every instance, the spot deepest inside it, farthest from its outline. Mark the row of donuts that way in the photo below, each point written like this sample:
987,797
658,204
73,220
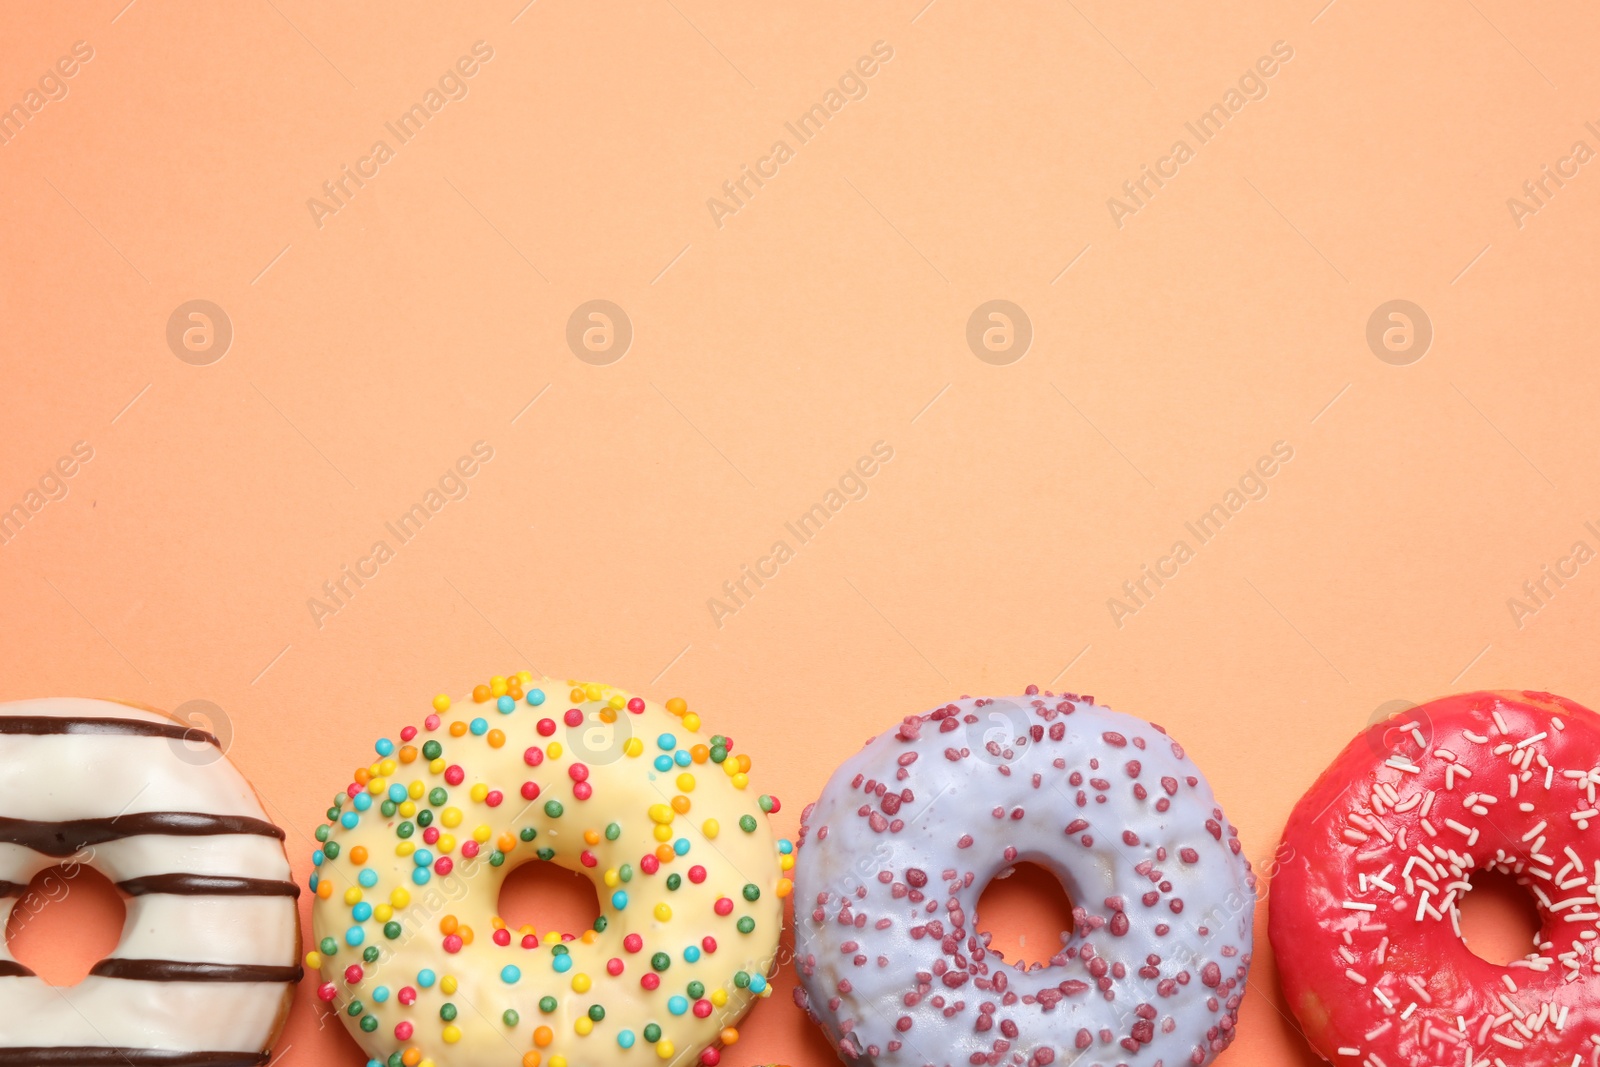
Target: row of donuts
660,815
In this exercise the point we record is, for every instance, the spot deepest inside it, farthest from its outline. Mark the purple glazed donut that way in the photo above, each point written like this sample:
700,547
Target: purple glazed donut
910,830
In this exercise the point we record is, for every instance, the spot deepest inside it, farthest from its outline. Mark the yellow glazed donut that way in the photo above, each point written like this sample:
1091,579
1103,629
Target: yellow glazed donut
662,820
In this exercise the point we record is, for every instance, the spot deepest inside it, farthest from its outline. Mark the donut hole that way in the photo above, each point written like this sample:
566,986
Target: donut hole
1026,914
1499,920
547,896
70,918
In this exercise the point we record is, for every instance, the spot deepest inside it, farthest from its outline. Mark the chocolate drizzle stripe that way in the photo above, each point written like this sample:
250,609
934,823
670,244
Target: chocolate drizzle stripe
65,838
184,971
13,969
101,1056
51,724
207,885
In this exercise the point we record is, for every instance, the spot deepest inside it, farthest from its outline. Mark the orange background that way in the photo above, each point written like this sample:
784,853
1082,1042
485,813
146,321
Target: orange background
830,312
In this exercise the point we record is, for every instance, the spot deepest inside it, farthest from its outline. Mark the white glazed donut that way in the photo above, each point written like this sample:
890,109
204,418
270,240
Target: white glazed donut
206,967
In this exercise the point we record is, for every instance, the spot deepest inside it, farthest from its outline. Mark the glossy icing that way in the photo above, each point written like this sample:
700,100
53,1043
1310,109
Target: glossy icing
1380,853
199,979
908,832
659,815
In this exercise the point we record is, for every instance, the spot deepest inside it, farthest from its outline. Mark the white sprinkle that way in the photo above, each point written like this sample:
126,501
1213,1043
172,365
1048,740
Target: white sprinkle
1356,905
1354,977
1535,739
1536,831
1501,723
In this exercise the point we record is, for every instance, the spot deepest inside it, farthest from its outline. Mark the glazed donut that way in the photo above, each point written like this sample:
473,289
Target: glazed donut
910,830
1379,854
205,970
624,791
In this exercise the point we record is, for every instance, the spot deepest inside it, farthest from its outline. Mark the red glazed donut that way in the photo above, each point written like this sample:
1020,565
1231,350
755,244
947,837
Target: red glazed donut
1364,912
